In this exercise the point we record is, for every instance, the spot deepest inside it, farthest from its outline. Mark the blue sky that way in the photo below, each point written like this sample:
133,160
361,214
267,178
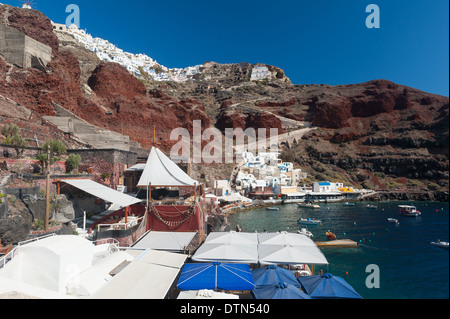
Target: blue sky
316,41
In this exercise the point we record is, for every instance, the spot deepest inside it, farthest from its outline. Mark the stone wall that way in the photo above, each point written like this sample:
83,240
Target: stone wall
21,50
108,161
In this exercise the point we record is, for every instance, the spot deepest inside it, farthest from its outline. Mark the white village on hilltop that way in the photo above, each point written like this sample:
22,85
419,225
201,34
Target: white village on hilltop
136,63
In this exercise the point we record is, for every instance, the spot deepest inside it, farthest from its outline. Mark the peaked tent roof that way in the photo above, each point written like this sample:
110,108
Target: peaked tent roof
161,171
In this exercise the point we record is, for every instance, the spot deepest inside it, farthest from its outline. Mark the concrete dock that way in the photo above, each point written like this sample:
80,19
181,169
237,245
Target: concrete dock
343,243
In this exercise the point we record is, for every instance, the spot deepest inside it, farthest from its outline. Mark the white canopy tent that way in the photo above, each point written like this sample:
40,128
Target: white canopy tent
161,171
103,192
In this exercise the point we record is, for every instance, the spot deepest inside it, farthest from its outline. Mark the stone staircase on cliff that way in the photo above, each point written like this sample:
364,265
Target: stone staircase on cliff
89,134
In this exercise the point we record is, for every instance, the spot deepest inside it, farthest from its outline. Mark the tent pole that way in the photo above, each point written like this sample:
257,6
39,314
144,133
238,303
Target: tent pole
195,192
150,194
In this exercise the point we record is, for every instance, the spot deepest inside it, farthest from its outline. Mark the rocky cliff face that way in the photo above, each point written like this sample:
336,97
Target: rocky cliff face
379,135
376,134
110,98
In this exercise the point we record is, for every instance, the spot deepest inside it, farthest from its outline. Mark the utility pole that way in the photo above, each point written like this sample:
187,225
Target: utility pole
47,206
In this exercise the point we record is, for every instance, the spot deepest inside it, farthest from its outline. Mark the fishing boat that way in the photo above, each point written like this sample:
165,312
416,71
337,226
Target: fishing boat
330,235
308,205
438,243
408,210
276,209
347,204
309,221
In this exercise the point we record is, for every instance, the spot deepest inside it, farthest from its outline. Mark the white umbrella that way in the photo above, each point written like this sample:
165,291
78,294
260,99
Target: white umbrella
227,253
232,238
290,255
285,238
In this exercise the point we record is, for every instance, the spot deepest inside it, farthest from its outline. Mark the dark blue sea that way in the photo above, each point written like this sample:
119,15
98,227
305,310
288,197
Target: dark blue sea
409,266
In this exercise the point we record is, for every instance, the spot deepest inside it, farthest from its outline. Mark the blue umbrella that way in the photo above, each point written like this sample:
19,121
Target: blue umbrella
279,291
216,276
272,275
327,286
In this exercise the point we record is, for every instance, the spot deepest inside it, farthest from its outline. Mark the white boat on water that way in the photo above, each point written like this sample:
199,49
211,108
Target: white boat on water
393,220
308,205
439,243
309,221
276,209
349,204
408,210
371,207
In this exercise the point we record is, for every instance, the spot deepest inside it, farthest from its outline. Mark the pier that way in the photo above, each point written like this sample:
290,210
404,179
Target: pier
343,243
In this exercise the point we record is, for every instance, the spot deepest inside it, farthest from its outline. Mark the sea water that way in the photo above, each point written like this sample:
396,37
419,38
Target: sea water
409,266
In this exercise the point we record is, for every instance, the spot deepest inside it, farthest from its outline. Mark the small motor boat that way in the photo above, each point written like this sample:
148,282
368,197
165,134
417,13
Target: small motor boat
371,207
309,221
308,205
438,243
347,204
408,210
393,220
275,209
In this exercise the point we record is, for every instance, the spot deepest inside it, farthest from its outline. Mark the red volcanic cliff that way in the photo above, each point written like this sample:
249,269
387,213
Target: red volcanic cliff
109,79
131,110
120,101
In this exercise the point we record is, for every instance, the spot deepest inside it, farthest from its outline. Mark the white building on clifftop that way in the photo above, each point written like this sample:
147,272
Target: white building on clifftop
260,73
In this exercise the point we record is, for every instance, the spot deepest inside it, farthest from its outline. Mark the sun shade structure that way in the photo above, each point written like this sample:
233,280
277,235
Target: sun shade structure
216,276
269,249
233,238
279,291
161,171
327,286
290,255
167,241
227,253
149,276
285,238
273,275
289,249
103,192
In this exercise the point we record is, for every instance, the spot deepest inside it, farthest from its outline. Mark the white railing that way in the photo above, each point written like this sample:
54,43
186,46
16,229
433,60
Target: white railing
114,244
35,239
5,259
119,226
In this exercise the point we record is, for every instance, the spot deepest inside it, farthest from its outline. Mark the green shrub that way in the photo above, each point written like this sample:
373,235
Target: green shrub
9,130
38,224
57,147
73,162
